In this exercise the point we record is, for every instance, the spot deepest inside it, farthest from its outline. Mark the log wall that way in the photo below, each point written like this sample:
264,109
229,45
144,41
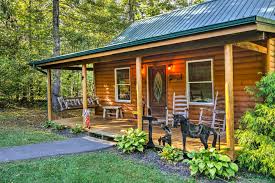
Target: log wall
248,68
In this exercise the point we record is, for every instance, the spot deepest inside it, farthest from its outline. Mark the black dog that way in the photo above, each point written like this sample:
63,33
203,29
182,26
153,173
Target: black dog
194,131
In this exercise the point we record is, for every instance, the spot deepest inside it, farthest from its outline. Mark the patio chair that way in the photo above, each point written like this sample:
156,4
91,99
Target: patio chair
214,118
180,106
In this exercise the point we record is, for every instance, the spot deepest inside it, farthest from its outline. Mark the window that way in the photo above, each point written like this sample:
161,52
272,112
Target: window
200,81
122,84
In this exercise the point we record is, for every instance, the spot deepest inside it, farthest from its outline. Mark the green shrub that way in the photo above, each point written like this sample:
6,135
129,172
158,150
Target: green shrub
171,154
59,127
49,124
264,89
257,130
132,140
77,129
212,164
257,137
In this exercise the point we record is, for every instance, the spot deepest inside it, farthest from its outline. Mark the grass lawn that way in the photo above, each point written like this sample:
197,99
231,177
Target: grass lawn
20,127
92,167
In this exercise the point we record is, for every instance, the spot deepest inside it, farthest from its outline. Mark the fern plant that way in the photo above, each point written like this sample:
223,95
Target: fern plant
132,140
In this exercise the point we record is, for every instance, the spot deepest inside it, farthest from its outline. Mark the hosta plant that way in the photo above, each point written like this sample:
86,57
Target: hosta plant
212,164
132,140
171,154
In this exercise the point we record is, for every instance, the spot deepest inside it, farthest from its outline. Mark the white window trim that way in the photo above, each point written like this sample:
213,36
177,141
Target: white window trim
188,83
116,88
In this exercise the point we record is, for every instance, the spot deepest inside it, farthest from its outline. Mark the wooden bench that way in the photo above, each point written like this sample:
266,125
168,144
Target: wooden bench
108,110
70,103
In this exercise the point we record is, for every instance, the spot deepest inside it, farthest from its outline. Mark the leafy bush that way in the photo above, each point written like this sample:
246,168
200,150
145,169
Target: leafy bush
59,127
132,140
52,124
77,129
257,137
171,154
49,124
212,164
264,89
257,131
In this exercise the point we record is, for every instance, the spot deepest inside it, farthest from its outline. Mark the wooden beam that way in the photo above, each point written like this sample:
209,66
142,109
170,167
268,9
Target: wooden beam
84,92
199,44
229,98
266,27
270,57
139,92
217,33
72,68
252,46
49,94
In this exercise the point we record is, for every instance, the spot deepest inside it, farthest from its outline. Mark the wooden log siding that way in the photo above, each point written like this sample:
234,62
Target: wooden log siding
270,60
247,66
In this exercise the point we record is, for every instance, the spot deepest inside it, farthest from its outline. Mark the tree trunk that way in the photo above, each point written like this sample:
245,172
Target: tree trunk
56,52
131,11
31,81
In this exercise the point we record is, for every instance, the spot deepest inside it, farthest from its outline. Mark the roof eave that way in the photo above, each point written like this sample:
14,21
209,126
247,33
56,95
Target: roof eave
224,25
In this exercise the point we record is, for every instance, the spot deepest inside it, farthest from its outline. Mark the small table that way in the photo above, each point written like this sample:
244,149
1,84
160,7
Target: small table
107,110
150,143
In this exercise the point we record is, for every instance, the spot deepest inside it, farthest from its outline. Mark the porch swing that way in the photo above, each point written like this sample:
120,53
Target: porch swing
73,103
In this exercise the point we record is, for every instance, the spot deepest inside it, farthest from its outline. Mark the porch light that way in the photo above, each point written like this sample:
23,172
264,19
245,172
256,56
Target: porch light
170,67
143,70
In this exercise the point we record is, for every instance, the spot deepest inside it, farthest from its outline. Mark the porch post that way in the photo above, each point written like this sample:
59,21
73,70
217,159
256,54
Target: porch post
139,91
270,59
49,93
229,98
84,91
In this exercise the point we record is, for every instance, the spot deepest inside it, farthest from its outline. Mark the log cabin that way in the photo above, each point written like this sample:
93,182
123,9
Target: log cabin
219,45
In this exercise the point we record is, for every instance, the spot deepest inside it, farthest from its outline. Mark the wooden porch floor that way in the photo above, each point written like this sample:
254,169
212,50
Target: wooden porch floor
112,127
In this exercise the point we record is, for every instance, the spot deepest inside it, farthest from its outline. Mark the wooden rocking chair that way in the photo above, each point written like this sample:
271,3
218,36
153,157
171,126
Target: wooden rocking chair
215,118
180,106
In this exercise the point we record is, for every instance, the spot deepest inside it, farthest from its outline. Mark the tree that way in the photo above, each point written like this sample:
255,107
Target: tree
56,52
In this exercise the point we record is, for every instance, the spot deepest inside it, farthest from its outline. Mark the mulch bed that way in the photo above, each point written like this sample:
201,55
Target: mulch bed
67,133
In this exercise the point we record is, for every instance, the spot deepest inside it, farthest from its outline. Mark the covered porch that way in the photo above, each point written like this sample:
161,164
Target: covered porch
109,128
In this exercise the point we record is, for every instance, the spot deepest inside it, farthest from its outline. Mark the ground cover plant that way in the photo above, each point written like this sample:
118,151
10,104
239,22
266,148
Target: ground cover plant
257,130
77,129
171,154
212,164
132,140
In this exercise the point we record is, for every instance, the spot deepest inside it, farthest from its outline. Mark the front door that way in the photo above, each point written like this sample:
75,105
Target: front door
157,90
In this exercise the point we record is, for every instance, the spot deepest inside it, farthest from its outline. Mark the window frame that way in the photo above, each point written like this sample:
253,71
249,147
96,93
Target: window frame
188,83
116,85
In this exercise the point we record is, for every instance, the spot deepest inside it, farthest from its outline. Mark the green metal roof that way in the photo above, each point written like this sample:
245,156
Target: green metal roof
208,16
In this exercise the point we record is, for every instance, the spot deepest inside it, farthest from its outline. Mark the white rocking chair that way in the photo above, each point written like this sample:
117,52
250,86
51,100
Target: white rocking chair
216,119
180,106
